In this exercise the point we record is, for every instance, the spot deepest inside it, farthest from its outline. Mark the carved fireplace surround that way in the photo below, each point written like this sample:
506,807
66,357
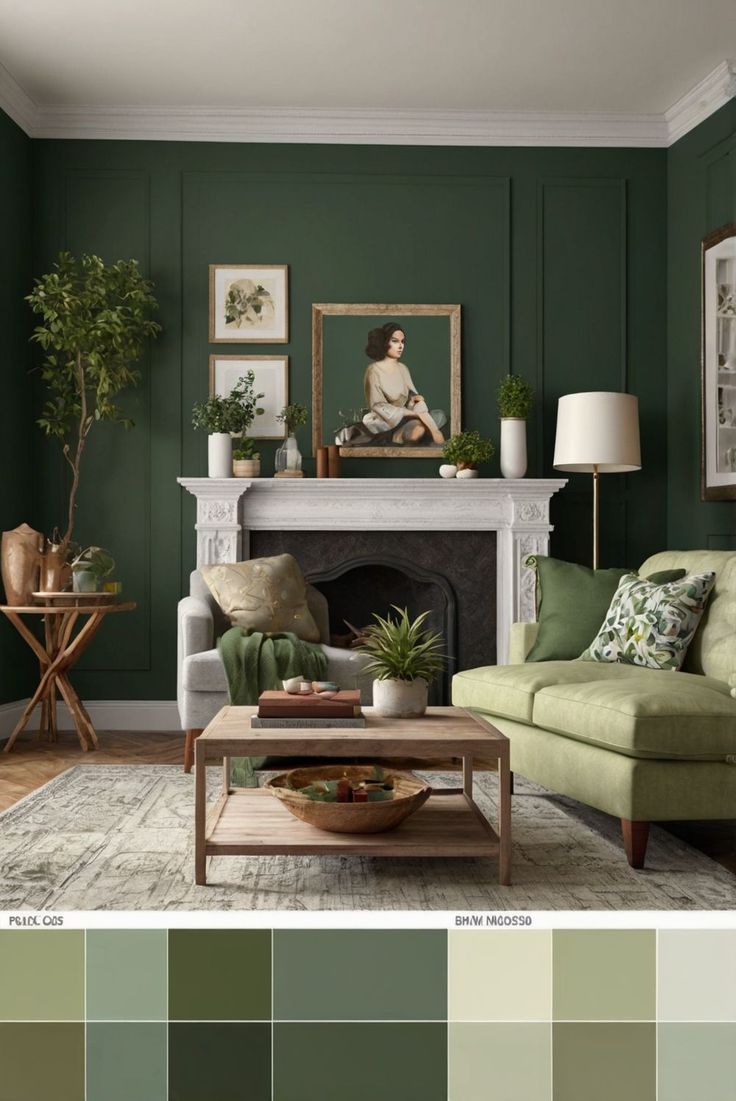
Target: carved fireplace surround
228,509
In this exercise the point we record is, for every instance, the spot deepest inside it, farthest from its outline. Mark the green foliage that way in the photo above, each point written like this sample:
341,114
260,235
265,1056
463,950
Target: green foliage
293,416
235,413
514,397
96,560
402,649
467,449
247,450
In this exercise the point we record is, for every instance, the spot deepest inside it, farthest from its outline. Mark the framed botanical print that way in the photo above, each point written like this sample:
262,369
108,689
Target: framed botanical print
271,380
249,304
718,368
385,378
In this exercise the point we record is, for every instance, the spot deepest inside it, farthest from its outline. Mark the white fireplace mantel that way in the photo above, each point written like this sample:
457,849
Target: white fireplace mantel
517,509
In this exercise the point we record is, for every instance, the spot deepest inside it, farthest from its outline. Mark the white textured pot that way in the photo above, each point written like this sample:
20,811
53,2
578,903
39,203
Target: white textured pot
467,472
448,470
400,699
513,447
219,455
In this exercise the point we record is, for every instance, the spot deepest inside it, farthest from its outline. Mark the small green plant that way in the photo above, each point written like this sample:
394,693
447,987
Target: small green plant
514,397
234,413
293,416
402,649
94,560
247,450
468,449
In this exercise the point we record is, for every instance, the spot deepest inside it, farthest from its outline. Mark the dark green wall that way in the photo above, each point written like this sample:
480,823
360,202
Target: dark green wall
16,664
557,257
701,172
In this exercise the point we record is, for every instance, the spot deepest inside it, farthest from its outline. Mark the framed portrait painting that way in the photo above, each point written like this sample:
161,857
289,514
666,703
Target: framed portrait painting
385,378
249,303
718,369
271,379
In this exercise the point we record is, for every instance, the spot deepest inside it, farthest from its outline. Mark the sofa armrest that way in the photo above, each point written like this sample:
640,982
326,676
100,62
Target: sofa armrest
196,627
521,639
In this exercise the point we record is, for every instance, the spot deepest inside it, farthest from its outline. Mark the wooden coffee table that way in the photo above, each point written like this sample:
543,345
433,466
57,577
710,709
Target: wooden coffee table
252,822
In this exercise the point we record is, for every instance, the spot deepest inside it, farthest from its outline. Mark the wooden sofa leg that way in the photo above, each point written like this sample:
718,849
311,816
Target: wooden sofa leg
511,783
192,735
636,835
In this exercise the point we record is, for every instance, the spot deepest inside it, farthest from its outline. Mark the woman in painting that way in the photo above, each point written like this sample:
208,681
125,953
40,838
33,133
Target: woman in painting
397,413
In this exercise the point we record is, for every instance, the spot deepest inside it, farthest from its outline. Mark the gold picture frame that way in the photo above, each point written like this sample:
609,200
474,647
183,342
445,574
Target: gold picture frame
382,312
249,304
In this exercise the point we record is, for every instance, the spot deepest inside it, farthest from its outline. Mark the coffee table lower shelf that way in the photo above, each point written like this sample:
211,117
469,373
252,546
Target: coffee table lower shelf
251,822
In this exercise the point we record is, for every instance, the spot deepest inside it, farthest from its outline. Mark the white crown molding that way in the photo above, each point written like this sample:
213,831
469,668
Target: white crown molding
159,716
363,127
701,101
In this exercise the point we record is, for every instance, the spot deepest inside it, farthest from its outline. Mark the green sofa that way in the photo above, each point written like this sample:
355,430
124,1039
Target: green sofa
641,744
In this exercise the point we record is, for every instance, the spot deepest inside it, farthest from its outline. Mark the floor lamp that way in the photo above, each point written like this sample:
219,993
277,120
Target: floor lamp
597,433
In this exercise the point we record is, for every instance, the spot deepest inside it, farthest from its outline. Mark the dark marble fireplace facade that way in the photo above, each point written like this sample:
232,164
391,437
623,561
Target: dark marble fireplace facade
450,574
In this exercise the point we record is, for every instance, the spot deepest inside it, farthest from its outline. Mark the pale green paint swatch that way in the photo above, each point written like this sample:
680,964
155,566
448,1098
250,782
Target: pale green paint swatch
126,975
42,975
604,1062
697,975
508,1061
604,975
126,1061
696,1060
500,976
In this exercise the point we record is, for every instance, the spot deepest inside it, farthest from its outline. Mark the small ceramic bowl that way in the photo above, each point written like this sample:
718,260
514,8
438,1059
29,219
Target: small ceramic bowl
292,685
305,688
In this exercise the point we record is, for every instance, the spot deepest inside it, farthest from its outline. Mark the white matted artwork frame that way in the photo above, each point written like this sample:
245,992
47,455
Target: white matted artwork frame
249,304
271,379
718,368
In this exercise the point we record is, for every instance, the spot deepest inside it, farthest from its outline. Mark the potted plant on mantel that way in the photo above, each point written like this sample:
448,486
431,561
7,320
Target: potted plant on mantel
464,453
514,399
95,324
288,457
246,460
405,658
226,417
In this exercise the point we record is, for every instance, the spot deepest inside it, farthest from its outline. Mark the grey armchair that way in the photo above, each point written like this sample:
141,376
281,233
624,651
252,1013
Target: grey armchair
201,688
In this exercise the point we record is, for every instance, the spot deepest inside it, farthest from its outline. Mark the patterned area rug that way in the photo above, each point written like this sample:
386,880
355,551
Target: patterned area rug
120,837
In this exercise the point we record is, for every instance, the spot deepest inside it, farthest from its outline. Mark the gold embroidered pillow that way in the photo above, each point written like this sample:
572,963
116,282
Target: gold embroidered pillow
651,625
263,594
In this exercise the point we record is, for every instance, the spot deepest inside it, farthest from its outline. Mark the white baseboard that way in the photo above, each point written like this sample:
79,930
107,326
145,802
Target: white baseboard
134,715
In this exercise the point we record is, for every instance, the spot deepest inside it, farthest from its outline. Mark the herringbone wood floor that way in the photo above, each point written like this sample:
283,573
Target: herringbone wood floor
33,763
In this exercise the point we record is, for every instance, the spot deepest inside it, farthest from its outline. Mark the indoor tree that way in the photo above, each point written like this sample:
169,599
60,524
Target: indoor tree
95,321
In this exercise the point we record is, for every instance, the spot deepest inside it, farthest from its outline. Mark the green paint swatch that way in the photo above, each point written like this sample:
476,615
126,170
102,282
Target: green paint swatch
126,975
604,975
512,1062
500,976
42,975
219,1062
362,1062
360,975
697,975
42,1062
604,1062
696,1060
220,975
126,1061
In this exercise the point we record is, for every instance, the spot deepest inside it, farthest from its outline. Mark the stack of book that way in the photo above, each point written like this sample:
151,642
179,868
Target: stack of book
281,710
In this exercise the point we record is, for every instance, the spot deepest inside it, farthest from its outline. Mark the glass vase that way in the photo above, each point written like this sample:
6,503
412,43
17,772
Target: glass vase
288,456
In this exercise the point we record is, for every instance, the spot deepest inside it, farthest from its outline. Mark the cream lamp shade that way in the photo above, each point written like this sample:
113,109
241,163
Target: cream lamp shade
598,430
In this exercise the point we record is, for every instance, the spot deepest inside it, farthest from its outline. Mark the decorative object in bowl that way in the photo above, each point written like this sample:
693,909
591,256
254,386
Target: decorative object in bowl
409,794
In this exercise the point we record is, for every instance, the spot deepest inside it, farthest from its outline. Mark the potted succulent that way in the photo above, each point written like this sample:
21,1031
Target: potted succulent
515,396
464,452
288,456
225,417
405,658
246,460
89,567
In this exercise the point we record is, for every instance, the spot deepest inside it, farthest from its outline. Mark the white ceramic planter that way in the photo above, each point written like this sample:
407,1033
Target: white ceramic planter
219,455
400,699
513,447
448,470
467,472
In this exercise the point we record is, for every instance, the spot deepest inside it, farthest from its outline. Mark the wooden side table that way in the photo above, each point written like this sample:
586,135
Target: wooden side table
58,654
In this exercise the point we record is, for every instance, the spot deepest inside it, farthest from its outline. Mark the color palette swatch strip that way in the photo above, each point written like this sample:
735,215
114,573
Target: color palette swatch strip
322,1015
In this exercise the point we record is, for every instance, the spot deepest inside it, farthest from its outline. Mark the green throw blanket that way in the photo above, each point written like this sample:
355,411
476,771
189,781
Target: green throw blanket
255,662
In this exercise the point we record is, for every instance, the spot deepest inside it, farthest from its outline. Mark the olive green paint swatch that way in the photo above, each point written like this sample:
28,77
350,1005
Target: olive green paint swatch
360,975
361,1061
42,1062
220,1062
127,1061
220,975
41,975
696,1060
510,1062
127,975
604,975
604,1062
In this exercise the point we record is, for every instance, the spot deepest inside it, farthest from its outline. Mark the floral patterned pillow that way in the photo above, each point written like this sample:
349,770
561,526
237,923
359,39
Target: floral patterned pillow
651,625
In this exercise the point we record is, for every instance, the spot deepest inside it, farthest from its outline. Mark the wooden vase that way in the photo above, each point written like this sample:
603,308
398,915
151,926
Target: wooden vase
20,559
55,570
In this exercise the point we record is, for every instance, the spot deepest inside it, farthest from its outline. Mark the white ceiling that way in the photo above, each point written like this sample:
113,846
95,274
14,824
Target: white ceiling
630,58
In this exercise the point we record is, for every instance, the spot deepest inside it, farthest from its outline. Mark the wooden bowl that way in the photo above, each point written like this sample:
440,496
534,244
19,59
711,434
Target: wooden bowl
409,795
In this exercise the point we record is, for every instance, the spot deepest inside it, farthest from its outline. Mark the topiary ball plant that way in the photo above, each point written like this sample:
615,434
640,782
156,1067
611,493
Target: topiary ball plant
467,450
514,397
